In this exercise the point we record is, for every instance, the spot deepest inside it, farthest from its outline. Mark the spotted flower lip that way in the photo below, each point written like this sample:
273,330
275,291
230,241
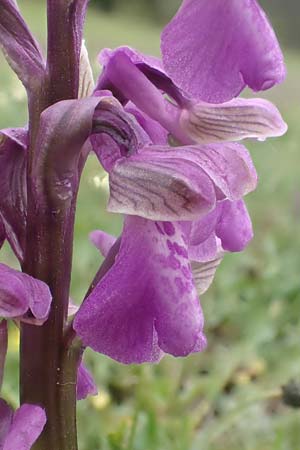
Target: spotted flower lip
137,328
147,303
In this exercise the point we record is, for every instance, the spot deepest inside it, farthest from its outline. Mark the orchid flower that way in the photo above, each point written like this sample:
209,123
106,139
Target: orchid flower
170,246
165,132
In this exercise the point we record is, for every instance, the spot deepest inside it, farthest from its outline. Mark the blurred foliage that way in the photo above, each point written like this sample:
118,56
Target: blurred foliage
229,397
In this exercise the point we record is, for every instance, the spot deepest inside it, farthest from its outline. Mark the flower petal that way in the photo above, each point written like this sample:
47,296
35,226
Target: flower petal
85,383
102,241
204,251
155,131
147,300
201,229
150,66
86,78
213,49
6,416
204,272
20,292
14,301
228,165
232,121
40,297
159,184
234,227
28,423
13,199
125,78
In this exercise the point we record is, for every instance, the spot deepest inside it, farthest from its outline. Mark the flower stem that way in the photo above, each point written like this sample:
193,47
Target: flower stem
48,368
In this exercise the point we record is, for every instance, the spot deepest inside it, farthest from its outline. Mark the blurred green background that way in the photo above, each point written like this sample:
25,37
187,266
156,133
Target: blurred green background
228,397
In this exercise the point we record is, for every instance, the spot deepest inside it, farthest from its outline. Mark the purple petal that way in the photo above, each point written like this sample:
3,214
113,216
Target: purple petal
228,165
150,66
6,416
106,149
27,425
232,121
127,81
40,297
13,200
155,131
136,57
213,49
3,351
201,229
160,184
204,251
102,241
115,133
19,47
85,383
234,227
14,301
20,292
147,301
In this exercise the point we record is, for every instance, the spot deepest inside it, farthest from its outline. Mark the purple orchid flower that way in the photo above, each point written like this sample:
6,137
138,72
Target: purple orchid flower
157,279
20,429
163,294
164,132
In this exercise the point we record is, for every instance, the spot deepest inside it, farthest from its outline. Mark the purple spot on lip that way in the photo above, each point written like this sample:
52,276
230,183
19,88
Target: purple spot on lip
180,285
159,228
170,246
169,228
180,250
186,271
173,262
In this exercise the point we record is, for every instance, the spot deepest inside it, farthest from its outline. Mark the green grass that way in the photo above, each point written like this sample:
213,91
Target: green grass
225,398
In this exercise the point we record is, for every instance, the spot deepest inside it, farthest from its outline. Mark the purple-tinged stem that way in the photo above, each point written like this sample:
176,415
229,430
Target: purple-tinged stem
65,23
48,370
